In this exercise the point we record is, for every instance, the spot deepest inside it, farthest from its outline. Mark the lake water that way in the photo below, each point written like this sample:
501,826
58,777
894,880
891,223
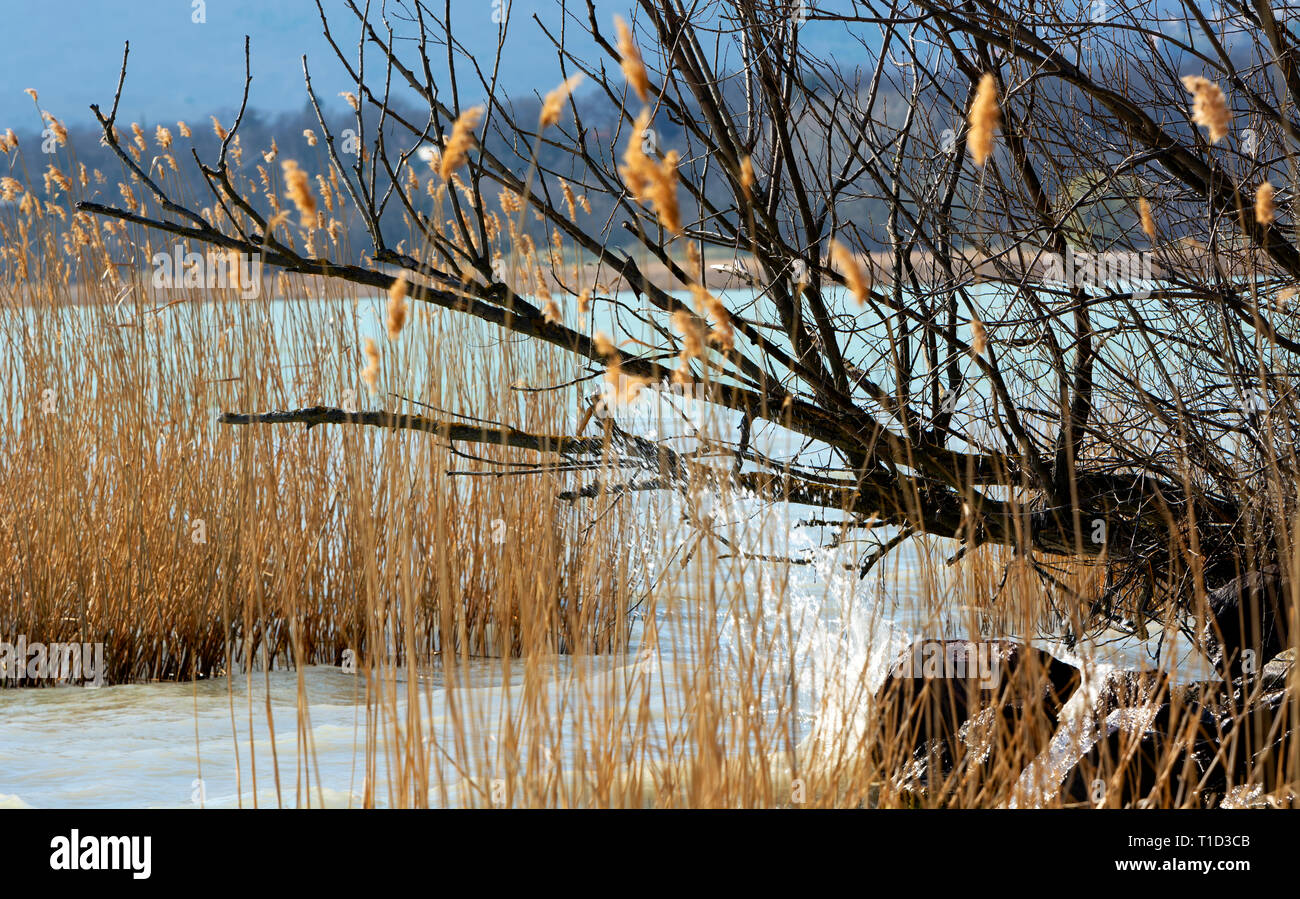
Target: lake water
210,743
246,741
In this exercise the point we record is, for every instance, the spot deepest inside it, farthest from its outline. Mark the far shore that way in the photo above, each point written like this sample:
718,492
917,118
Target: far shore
721,273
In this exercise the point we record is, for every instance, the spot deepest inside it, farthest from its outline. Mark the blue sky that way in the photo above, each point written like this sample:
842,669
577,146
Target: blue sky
71,52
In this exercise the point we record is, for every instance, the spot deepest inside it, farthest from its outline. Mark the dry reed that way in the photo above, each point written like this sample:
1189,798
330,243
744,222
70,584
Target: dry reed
194,551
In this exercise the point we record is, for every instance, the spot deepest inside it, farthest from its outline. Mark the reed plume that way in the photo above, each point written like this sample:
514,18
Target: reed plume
554,102
855,276
636,164
663,193
630,59
59,132
370,374
723,335
605,348
1148,221
650,182
569,200
298,186
1209,106
984,117
456,152
747,177
693,334
1264,210
620,388
979,337
397,307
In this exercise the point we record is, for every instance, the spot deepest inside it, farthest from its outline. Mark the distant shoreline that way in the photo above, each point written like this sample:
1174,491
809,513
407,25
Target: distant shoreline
721,273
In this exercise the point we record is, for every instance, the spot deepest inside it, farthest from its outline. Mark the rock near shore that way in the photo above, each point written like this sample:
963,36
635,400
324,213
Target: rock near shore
1246,622
1192,745
987,706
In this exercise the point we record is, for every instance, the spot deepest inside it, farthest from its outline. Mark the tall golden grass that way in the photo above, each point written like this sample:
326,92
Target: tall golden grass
193,549
512,648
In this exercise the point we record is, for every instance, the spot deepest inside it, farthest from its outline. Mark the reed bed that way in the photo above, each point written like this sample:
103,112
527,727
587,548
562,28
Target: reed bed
512,648
192,549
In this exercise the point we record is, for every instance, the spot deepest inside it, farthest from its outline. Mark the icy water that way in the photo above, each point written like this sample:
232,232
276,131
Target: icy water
249,740
215,744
